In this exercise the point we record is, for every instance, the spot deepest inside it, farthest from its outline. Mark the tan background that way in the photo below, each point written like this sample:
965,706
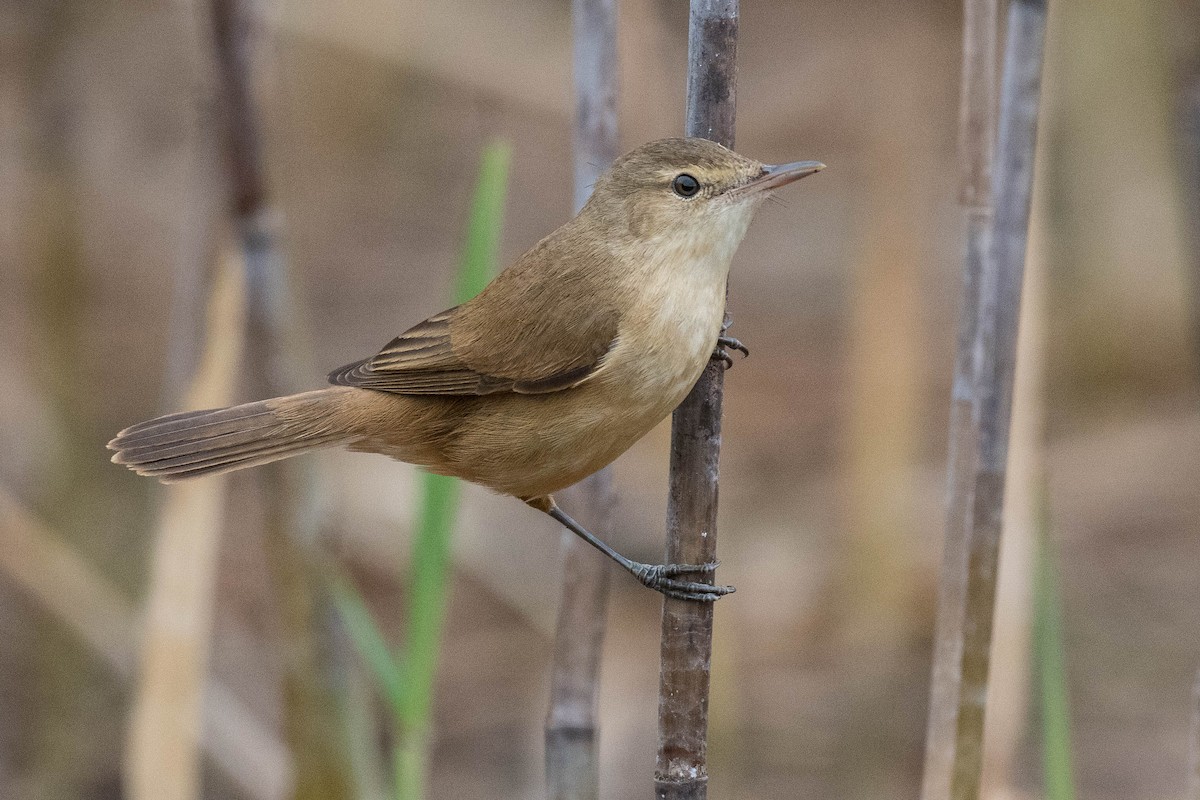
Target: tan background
832,467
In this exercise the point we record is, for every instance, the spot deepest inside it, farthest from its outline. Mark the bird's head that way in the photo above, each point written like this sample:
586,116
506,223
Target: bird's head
689,187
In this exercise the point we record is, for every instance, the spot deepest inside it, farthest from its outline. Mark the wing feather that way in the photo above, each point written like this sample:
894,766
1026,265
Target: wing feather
525,333
422,361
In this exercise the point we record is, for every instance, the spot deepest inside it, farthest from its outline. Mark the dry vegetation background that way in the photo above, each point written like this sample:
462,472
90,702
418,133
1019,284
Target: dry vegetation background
833,462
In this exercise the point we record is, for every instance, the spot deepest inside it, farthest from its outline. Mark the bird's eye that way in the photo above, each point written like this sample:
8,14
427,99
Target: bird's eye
685,185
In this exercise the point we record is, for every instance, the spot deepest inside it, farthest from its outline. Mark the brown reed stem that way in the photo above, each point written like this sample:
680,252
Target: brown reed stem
162,749
1189,115
963,659
681,772
977,125
170,696
572,763
275,364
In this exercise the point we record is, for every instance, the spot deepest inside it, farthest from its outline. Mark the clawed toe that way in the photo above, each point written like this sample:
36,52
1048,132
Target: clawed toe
662,578
723,357
733,344
689,590
673,570
700,597
720,354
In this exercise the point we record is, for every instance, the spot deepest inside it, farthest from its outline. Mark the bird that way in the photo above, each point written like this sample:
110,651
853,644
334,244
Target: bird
562,362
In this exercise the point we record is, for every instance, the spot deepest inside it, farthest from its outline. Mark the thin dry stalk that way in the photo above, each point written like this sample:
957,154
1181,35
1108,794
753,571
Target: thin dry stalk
572,762
273,363
162,759
55,576
1000,305
240,137
1189,111
49,570
681,772
977,125
1024,516
245,749
994,348
596,142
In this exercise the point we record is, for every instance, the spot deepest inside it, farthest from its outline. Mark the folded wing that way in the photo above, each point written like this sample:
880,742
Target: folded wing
520,335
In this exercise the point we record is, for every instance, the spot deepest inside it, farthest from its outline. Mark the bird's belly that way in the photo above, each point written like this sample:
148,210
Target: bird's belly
531,445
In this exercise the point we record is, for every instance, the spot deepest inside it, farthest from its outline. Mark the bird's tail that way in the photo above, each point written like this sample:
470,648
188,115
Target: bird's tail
192,444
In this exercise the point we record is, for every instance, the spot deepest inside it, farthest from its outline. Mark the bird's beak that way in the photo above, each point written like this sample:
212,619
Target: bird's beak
776,175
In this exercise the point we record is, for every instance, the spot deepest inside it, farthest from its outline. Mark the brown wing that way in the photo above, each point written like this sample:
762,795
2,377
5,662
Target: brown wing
418,361
520,335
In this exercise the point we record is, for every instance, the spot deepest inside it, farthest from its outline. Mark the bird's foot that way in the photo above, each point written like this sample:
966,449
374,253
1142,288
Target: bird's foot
732,344
724,344
663,578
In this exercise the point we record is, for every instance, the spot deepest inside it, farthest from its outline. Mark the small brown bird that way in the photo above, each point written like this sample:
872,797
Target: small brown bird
565,360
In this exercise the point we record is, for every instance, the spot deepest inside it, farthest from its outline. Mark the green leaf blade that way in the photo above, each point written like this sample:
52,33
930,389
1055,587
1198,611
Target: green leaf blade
369,641
1049,654
429,579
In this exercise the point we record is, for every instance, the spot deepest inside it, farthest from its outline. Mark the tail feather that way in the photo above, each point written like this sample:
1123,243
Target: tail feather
178,469
192,444
257,450
199,427
162,448
183,420
234,463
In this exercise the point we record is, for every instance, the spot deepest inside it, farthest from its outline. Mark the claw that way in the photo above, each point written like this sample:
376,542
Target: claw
721,355
699,597
661,578
732,344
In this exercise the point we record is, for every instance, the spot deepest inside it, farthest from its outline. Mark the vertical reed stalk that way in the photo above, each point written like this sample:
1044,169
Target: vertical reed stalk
207,310
1010,687
681,772
995,352
162,758
976,141
572,741
275,367
996,310
1189,113
572,763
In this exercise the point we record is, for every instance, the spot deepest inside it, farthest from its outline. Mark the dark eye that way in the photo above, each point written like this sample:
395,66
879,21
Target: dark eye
685,185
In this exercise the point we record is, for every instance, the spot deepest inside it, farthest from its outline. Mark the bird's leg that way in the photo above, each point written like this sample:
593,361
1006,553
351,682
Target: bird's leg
659,577
721,353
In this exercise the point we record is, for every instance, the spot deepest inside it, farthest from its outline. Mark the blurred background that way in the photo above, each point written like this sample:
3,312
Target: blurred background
373,116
